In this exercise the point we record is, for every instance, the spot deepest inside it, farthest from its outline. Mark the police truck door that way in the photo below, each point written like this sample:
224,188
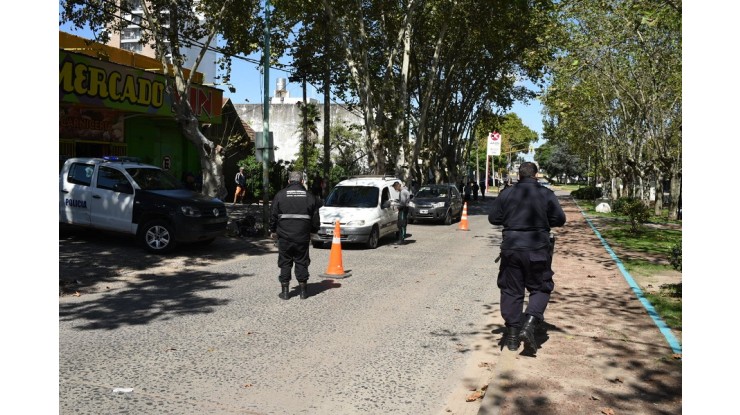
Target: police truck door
74,193
112,199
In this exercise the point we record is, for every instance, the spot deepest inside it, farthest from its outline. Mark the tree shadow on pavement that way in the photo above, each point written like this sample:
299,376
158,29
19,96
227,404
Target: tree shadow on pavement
88,257
148,298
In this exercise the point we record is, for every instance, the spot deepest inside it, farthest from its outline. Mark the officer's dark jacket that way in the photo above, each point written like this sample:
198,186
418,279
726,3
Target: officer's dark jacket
527,211
294,214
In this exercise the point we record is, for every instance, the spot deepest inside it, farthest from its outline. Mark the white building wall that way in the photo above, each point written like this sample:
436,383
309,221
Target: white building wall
285,122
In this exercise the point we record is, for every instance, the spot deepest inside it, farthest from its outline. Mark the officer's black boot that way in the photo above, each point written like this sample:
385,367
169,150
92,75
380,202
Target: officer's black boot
527,332
304,290
511,340
285,293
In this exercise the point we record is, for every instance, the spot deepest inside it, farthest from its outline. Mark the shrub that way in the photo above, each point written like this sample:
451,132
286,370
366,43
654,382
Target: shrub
587,193
635,209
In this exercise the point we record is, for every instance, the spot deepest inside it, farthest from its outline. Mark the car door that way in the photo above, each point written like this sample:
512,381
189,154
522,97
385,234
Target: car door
112,201
389,214
455,201
75,187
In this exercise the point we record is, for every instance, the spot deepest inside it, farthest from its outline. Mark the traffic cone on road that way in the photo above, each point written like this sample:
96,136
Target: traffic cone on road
335,268
464,219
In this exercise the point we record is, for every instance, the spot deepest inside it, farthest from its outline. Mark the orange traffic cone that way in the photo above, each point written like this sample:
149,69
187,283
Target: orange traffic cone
335,268
464,219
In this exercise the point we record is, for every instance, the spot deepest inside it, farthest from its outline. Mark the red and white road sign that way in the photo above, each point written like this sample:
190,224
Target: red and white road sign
494,144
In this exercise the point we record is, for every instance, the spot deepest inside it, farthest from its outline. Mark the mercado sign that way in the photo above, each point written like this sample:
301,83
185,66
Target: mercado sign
89,81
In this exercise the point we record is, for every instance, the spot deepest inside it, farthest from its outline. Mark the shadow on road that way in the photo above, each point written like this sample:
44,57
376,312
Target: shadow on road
148,298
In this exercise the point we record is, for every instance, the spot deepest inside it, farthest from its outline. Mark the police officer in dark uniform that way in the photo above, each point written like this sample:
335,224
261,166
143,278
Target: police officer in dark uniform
527,211
294,216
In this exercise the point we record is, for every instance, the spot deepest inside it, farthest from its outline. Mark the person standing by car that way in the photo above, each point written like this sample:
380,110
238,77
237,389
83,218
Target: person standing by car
294,216
403,210
241,186
527,211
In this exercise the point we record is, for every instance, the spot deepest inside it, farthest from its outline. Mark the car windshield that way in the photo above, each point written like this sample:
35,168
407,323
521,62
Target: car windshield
353,196
432,191
154,179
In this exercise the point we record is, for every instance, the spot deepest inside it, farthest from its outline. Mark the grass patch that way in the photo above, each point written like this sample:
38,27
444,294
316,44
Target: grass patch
648,240
654,243
667,303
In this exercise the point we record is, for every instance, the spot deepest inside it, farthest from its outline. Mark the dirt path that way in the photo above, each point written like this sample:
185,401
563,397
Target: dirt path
601,351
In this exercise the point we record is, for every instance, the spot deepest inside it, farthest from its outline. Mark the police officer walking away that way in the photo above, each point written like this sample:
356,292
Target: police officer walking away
294,216
527,211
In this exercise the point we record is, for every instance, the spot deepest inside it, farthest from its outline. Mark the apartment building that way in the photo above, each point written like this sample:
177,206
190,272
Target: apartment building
130,39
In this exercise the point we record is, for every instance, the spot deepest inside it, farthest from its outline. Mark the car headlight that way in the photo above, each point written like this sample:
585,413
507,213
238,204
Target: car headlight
191,211
412,204
356,223
438,204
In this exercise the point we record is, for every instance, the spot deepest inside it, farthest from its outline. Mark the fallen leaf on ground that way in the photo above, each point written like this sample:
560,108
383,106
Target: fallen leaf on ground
474,396
607,411
677,356
76,294
594,398
248,385
590,276
618,380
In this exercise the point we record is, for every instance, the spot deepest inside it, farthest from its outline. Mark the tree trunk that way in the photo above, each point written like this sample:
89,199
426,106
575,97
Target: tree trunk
675,195
211,157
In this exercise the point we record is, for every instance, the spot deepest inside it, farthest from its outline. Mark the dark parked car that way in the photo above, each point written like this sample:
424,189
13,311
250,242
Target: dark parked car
436,203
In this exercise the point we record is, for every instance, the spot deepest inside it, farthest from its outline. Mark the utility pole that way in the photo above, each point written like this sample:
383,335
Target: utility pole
305,128
266,125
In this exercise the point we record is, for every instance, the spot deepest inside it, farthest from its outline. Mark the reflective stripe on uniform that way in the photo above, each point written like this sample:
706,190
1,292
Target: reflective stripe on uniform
293,216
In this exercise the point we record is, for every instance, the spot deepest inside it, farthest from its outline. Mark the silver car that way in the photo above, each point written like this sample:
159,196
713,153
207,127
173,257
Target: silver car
440,203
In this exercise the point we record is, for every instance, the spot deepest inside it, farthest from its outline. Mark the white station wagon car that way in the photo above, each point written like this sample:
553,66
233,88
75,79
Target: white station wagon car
363,207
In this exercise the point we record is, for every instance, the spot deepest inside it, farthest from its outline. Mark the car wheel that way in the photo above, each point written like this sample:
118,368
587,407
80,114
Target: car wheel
317,244
157,236
372,241
448,218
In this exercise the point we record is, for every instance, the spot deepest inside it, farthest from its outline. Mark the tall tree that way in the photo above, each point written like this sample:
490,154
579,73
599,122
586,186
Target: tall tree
616,90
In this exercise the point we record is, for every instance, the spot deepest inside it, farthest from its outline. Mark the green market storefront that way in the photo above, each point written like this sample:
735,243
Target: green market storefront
109,109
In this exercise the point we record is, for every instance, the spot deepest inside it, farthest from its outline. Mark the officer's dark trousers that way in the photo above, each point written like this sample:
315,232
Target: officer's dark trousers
522,270
290,253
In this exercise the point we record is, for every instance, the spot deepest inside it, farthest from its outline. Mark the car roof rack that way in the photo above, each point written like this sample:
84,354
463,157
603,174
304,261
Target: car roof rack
375,176
122,159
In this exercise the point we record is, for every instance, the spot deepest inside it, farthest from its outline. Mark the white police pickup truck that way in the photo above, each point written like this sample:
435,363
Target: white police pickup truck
123,195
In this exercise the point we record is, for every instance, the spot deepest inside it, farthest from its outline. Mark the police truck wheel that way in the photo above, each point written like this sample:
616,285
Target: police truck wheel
372,241
157,236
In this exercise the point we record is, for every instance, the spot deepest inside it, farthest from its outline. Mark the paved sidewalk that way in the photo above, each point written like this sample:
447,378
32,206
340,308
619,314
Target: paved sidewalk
601,351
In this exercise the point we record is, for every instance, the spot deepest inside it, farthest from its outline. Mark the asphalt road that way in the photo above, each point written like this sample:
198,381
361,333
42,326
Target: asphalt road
204,331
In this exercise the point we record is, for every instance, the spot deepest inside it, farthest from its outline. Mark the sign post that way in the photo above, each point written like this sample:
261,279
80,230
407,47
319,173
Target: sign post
494,149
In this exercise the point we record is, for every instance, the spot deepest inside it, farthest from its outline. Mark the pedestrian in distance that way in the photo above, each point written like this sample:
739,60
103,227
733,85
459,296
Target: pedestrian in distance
316,186
468,189
527,211
294,216
403,210
482,188
475,190
241,186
